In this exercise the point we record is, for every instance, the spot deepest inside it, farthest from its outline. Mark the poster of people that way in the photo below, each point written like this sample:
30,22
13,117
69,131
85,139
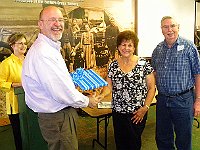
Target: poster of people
197,26
91,28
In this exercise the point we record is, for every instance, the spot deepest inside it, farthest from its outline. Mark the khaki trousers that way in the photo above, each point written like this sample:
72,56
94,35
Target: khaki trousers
59,129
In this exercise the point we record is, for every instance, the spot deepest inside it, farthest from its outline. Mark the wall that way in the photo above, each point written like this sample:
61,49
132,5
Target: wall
150,14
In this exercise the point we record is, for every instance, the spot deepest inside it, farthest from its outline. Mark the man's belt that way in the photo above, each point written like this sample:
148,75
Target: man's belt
178,94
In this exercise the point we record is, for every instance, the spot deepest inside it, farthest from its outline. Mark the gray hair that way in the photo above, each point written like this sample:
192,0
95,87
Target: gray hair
166,17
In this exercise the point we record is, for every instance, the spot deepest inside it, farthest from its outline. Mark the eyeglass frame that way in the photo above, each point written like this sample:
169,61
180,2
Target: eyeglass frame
172,26
53,20
21,43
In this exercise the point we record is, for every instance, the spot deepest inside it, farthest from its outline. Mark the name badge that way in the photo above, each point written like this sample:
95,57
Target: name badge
141,62
180,47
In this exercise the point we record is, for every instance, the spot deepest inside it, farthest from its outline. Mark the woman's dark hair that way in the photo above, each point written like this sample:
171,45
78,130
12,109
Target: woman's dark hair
14,38
127,35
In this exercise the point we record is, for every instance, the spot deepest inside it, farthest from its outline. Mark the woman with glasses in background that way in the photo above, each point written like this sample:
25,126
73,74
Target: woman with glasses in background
10,77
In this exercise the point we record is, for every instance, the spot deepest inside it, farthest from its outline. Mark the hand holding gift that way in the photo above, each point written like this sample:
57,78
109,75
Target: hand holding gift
93,101
100,97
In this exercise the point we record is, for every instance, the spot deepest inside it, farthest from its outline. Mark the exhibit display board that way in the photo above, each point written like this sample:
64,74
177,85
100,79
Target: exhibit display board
100,20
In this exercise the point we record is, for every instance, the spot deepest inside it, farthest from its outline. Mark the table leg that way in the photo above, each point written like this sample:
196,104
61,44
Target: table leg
105,132
106,119
197,122
97,136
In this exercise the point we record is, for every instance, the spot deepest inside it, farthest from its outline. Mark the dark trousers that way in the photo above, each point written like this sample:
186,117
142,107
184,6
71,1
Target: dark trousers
15,123
127,134
174,117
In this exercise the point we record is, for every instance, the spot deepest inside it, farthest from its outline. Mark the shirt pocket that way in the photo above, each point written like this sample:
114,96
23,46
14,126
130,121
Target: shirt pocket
180,63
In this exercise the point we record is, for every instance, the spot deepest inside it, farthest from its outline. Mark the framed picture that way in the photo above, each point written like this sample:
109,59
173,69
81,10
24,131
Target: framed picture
197,24
91,27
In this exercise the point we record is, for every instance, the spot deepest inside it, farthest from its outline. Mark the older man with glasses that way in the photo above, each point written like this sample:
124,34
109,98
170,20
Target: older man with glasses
177,69
49,89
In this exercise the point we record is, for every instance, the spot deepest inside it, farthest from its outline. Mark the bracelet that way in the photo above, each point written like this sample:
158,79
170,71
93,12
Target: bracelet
147,106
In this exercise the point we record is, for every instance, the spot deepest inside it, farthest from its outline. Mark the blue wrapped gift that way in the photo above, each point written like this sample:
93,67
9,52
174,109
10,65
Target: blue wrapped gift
87,79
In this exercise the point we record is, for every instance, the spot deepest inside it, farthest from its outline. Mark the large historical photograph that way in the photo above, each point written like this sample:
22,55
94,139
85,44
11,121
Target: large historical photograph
90,33
91,27
197,27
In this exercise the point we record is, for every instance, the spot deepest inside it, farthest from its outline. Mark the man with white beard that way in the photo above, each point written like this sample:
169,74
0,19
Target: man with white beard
49,89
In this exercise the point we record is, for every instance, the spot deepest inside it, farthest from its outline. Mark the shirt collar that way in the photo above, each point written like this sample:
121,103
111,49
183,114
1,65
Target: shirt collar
177,42
56,45
15,58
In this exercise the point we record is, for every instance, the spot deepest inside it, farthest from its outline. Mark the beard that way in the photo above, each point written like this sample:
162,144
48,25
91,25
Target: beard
54,34
56,37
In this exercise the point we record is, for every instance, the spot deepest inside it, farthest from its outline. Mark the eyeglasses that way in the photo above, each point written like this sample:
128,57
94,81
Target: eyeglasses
53,20
20,43
172,26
